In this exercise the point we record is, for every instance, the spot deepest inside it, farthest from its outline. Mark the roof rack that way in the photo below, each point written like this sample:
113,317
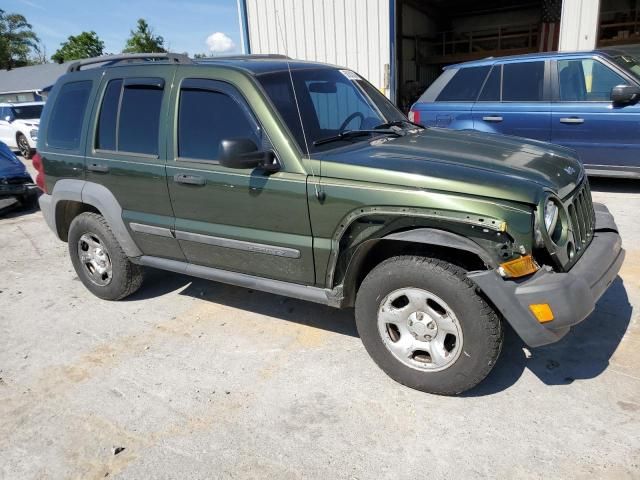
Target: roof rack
254,56
109,60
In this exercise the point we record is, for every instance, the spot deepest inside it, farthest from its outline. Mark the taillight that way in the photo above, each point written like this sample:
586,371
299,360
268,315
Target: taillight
36,161
414,116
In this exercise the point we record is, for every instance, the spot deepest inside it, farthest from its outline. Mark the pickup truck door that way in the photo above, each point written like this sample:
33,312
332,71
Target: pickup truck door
242,220
515,101
605,136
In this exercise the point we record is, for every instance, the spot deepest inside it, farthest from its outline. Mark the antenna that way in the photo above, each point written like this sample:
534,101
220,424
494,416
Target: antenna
319,195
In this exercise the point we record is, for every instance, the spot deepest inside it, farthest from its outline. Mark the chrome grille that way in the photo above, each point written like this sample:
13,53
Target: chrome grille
582,216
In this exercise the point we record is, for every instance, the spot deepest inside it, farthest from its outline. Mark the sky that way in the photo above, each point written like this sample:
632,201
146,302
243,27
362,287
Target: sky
193,26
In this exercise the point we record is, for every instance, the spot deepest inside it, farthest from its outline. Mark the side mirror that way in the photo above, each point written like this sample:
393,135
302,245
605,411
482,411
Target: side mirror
8,119
624,94
243,153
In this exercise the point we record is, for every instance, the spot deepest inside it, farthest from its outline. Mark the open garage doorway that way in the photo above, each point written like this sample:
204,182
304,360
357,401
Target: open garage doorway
619,26
430,34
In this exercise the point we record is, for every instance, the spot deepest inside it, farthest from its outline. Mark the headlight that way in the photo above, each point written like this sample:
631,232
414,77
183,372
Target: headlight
550,216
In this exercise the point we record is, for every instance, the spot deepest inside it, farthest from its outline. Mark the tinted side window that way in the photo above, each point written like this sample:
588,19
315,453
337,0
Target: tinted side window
65,123
106,138
464,86
491,89
139,119
523,82
205,118
586,81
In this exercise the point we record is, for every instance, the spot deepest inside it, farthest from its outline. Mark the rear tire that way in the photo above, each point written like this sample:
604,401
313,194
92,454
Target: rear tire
425,325
23,145
99,260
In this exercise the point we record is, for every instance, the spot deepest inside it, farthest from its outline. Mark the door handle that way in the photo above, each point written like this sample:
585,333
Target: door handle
189,179
572,120
492,118
96,167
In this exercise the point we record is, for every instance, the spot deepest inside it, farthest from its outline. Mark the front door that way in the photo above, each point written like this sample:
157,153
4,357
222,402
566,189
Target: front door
515,101
605,136
242,220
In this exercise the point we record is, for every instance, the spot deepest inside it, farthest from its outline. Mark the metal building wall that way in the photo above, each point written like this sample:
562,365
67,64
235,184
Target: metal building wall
349,33
579,25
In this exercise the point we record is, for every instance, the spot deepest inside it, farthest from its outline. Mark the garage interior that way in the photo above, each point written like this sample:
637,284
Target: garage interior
434,33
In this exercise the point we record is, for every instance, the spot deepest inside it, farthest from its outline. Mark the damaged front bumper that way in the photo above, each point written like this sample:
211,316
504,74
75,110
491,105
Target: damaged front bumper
571,295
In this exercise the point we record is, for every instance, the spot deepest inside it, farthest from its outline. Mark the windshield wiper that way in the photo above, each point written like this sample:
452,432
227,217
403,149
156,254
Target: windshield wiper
398,123
356,133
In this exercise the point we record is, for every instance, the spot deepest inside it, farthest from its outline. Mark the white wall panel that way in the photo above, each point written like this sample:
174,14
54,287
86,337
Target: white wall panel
579,25
350,33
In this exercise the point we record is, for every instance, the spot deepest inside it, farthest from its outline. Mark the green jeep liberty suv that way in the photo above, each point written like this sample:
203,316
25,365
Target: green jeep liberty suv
303,180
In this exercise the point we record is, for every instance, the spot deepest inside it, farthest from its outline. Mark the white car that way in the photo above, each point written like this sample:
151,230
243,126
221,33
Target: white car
19,124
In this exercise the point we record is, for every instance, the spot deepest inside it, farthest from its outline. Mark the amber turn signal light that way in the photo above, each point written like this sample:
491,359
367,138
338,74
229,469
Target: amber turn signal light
519,267
542,312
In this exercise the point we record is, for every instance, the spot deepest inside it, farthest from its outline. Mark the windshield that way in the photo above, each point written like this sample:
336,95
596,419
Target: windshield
629,63
27,112
331,101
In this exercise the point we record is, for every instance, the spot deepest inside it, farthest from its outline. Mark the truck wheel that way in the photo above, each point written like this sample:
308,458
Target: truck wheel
23,146
423,322
98,259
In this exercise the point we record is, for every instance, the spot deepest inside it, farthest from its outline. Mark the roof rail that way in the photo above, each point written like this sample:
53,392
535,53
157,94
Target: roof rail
253,56
128,57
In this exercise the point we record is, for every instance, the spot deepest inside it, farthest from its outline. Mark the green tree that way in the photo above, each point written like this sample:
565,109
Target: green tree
84,45
17,41
143,40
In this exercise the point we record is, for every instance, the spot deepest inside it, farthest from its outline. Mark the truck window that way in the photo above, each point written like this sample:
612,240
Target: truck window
523,82
491,89
65,125
129,118
205,118
465,85
586,80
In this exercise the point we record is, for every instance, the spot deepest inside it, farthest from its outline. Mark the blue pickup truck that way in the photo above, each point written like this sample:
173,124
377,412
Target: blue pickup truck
588,101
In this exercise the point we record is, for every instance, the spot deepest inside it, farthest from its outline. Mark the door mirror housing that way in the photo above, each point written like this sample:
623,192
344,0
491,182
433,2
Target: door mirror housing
8,119
625,94
243,153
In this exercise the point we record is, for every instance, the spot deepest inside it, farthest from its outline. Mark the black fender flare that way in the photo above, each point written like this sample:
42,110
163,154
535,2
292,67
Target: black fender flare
424,236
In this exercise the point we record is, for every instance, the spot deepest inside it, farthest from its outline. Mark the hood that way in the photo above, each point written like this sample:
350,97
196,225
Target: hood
497,166
10,165
29,122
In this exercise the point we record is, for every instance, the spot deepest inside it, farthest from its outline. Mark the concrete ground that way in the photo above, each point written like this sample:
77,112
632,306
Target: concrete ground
194,379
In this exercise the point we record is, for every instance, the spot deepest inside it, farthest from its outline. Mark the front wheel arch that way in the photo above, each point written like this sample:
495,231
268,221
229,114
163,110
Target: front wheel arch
373,252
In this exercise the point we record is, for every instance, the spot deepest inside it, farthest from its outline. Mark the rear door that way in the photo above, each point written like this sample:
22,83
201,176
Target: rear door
6,131
604,135
448,104
242,220
515,100
125,153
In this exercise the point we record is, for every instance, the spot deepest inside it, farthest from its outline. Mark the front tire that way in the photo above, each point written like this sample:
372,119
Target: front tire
99,260
23,145
425,325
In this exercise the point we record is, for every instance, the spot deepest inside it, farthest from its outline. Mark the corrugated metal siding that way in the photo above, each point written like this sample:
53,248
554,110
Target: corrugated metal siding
350,33
579,25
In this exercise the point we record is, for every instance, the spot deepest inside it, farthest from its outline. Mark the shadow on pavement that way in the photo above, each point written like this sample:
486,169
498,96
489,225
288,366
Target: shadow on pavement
614,185
583,354
158,282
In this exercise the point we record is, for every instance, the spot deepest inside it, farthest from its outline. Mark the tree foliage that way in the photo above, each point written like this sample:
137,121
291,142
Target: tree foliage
84,45
143,40
18,43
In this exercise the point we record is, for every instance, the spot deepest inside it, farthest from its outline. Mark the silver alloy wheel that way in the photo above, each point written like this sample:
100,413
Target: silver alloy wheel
420,329
23,146
95,258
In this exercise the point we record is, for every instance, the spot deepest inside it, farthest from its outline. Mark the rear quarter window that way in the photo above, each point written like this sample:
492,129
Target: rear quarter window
65,123
465,85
